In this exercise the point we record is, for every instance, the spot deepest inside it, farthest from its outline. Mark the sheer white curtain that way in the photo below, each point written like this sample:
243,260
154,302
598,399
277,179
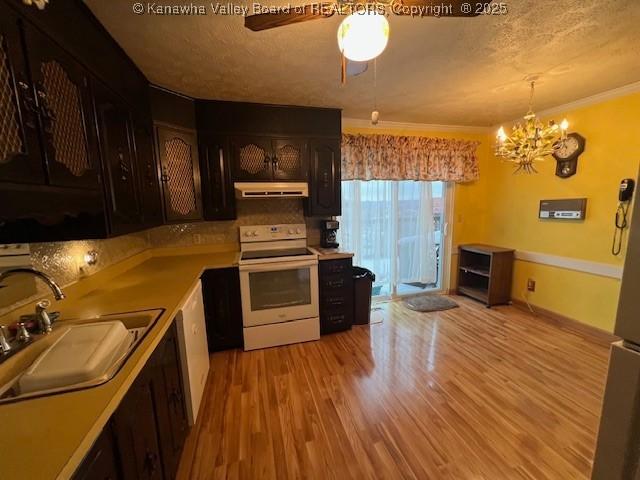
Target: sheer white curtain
390,227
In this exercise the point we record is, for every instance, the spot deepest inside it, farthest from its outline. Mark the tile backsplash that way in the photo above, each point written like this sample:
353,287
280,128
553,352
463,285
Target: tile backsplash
64,260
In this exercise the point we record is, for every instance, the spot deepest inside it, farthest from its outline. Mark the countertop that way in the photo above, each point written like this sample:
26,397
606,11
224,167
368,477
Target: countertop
47,438
330,253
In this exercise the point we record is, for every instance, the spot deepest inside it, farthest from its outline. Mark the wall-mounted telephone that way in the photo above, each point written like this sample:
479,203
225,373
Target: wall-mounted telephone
626,189
627,186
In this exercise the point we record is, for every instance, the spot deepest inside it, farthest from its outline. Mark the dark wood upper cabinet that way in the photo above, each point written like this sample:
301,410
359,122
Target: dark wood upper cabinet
147,170
266,159
63,97
115,130
289,159
324,179
251,159
218,198
179,174
20,155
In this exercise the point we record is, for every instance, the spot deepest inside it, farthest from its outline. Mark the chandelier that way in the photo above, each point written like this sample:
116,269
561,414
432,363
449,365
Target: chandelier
530,141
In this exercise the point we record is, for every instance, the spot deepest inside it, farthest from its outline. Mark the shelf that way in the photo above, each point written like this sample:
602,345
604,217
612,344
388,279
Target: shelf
484,272
473,292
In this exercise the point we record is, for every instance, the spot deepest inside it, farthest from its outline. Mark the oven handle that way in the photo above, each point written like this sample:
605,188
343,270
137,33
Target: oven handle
272,267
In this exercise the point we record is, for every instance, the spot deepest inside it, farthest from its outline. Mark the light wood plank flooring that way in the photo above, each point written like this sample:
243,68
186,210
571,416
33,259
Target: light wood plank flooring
469,393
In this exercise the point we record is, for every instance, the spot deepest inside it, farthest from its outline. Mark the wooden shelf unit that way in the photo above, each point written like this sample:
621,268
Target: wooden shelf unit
484,273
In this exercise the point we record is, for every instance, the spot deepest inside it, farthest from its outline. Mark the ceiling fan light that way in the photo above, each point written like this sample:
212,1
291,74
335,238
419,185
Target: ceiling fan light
363,36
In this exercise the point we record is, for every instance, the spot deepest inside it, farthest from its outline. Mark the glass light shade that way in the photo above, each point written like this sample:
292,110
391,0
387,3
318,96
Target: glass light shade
501,135
363,36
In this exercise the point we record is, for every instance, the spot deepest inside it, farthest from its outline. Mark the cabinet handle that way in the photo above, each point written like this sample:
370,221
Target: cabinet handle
336,283
335,301
151,461
124,168
223,186
45,111
28,102
164,177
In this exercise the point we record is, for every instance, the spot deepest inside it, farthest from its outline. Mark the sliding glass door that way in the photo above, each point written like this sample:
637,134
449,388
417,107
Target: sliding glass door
395,230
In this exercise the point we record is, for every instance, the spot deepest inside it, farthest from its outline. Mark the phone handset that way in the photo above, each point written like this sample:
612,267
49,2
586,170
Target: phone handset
625,195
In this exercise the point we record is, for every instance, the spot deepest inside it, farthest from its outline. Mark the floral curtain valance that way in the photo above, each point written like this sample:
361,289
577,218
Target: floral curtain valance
389,157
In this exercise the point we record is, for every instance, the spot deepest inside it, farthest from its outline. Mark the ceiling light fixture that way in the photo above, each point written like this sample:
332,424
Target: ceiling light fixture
363,35
530,141
38,3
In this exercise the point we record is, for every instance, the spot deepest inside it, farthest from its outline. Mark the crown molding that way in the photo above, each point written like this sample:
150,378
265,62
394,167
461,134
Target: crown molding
411,127
582,102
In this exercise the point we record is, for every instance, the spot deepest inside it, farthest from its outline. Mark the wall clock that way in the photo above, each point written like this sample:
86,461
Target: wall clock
567,153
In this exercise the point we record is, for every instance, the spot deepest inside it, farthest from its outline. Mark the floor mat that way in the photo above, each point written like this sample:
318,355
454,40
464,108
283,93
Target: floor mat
430,302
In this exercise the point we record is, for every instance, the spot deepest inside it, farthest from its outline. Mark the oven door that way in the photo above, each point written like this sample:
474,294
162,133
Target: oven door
279,292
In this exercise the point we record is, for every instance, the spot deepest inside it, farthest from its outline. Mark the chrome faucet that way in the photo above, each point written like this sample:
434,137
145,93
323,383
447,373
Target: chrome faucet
55,288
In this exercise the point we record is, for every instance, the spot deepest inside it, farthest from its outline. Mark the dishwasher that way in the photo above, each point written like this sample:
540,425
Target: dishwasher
194,352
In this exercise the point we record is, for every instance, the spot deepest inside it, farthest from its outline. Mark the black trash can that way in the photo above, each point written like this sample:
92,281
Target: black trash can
362,284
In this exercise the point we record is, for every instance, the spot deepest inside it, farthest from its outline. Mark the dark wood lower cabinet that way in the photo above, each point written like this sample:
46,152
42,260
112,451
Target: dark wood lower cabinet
136,433
171,414
144,438
101,463
223,308
336,295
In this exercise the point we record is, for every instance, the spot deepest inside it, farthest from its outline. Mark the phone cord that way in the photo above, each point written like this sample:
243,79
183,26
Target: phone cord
621,224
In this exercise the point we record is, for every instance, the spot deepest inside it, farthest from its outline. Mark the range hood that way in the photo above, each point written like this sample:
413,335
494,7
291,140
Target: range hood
271,189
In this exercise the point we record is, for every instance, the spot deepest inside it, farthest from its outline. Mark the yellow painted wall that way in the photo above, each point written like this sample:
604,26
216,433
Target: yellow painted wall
502,209
612,130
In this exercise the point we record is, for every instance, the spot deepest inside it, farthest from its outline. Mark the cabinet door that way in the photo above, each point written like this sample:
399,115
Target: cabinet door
252,159
217,185
135,430
222,308
101,463
116,149
324,183
290,160
149,183
171,413
20,155
180,174
64,102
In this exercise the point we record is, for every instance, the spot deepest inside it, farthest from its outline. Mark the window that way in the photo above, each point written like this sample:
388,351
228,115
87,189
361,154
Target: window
395,230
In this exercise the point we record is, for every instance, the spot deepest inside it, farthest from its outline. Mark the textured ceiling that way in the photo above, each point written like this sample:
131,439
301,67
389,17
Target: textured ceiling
441,71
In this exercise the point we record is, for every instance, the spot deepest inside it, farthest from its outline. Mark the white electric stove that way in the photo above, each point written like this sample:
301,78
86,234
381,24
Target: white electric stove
278,285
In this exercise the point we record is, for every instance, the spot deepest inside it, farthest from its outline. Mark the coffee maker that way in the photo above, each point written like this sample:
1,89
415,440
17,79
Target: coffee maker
328,235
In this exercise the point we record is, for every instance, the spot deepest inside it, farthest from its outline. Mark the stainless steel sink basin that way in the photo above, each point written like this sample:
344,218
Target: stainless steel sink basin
97,349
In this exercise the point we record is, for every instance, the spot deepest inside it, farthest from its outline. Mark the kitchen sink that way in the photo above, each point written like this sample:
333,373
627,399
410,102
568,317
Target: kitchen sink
77,354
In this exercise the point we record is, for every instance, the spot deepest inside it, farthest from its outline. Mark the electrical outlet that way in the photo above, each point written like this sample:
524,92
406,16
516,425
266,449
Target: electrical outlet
531,285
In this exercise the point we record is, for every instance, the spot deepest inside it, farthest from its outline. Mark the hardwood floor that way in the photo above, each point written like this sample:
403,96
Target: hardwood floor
468,393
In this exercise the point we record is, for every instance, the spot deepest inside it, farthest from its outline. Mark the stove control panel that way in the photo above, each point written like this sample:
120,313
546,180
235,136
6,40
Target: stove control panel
265,233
